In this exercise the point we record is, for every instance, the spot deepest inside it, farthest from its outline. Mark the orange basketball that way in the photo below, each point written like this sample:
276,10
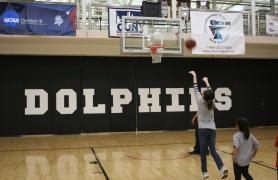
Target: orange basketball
190,43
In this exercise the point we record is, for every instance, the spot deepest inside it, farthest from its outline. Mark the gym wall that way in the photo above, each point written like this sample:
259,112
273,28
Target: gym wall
245,87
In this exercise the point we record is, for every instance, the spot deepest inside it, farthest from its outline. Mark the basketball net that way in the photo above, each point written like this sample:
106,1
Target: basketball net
156,53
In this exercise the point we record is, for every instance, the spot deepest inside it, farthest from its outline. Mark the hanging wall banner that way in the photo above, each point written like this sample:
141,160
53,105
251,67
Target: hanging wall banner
217,33
37,19
115,20
272,24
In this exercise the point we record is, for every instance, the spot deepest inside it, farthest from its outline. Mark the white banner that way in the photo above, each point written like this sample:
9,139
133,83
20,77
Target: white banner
217,33
272,24
115,20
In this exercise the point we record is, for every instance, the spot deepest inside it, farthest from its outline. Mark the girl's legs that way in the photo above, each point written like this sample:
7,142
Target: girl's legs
237,172
211,144
245,172
197,143
203,139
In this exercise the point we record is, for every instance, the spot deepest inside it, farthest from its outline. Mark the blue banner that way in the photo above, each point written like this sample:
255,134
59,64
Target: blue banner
37,19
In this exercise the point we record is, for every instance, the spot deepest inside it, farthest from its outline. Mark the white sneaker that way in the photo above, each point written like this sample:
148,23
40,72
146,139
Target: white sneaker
224,172
205,175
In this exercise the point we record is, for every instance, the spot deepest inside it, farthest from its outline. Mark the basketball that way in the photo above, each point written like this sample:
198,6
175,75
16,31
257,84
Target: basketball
190,43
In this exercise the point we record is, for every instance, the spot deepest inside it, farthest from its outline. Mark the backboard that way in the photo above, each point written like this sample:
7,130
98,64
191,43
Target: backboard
139,33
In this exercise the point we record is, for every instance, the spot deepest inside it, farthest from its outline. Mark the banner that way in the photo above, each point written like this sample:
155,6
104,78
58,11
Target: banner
115,20
117,94
272,24
217,33
37,19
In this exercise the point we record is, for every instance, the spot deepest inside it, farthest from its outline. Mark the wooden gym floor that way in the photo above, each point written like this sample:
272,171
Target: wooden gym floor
125,156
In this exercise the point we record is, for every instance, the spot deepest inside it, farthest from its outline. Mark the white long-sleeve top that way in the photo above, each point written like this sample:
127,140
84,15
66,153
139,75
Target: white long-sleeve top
205,116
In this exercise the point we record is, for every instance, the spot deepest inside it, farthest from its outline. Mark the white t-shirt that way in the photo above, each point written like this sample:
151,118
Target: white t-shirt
246,148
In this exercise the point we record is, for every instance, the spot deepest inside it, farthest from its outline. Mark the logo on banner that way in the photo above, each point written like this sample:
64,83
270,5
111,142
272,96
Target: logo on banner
216,25
272,27
130,27
10,18
58,20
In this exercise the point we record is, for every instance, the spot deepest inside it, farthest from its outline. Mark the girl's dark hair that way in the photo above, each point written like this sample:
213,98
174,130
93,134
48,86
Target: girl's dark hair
209,97
243,126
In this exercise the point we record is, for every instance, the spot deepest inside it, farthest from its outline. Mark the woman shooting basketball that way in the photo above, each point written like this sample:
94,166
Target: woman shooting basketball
207,129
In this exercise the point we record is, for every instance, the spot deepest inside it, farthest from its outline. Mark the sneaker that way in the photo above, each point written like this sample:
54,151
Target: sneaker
194,152
224,172
205,175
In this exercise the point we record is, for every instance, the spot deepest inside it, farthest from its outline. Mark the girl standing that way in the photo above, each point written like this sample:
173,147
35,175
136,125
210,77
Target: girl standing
245,147
207,129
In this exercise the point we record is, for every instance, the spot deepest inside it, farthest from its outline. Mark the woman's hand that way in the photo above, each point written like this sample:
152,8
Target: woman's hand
194,76
205,79
192,73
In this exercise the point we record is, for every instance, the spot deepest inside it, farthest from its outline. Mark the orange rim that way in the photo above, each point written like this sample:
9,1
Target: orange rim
153,48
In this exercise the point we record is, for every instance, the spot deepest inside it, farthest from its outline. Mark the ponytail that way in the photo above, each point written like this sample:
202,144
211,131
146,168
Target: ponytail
246,133
243,126
210,104
209,97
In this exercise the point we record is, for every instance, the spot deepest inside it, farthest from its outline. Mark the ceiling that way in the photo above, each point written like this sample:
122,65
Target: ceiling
229,5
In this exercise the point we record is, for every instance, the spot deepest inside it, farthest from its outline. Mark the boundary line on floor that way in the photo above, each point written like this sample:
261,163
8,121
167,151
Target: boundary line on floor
100,165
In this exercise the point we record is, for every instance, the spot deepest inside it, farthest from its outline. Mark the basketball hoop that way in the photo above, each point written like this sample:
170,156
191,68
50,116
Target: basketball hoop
156,53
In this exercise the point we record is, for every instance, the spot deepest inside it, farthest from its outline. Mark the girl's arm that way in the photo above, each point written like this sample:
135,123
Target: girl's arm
194,119
205,79
254,153
194,76
195,86
235,152
256,146
236,146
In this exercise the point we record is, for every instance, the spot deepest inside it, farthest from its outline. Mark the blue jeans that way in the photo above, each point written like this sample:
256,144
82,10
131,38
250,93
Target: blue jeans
207,139
197,143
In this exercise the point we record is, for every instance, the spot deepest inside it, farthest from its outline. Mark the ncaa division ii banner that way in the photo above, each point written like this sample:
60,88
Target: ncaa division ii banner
37,19
217,33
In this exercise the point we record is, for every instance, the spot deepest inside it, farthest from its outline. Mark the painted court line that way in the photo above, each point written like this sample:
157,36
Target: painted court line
119,146
100,165
255,162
